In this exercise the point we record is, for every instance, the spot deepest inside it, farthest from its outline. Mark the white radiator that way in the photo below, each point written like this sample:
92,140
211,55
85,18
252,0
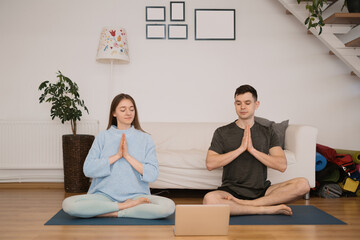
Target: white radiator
37,144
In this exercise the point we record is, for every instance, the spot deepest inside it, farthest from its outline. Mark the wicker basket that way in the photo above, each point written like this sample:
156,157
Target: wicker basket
75,150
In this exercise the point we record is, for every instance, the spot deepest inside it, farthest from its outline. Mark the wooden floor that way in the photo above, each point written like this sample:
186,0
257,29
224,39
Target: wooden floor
23,213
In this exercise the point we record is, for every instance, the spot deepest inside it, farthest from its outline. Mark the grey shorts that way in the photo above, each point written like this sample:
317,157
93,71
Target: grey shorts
239,196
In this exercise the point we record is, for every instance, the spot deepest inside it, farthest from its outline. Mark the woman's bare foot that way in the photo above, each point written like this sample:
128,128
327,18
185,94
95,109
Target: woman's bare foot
132,203
124,205
110,214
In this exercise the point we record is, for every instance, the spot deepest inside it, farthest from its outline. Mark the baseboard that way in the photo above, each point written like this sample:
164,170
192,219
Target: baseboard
33,185
31,175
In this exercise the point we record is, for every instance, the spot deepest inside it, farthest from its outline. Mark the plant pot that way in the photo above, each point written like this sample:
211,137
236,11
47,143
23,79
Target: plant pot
353,6
75,150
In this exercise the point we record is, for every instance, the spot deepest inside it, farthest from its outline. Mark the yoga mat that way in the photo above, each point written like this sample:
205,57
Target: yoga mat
355,154
302,215
62,218
320,162
334,176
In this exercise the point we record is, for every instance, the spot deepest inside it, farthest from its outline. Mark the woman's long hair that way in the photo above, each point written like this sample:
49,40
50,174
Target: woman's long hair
115,102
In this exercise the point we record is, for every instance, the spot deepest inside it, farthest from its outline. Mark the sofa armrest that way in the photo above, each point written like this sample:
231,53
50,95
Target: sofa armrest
301,140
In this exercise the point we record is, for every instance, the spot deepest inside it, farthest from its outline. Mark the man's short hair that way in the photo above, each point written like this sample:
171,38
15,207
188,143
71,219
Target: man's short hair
244,89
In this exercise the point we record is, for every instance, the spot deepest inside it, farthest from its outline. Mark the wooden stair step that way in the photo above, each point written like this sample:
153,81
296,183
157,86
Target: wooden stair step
353,43
343,18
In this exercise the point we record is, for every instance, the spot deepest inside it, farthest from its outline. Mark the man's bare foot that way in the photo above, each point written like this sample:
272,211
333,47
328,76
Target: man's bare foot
243,202
240,201
132,203
277,209
229,197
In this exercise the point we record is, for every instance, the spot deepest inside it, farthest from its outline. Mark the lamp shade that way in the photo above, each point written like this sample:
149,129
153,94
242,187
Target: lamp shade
113,46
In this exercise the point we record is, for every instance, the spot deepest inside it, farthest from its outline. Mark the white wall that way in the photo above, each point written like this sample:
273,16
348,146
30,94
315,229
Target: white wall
177,80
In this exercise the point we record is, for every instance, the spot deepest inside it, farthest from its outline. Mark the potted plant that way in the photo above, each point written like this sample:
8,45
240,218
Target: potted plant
67,106
353,6
315,8
315,14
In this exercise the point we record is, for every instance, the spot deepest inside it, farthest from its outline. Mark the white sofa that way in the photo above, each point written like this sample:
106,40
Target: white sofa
182,147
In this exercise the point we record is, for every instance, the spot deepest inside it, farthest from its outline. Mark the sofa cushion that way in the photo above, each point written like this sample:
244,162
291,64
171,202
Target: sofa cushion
196,159
170,177
290,157
181,136
279,128
185,159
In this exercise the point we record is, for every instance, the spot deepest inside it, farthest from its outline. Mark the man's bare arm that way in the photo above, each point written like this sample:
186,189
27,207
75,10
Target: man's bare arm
215,160
275,159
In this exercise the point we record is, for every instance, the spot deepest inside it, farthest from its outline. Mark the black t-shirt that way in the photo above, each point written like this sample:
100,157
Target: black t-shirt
245,175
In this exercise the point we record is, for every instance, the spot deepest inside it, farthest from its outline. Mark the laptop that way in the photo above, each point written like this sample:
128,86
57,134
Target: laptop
202,220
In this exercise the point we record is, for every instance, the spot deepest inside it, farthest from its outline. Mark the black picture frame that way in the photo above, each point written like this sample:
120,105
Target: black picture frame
155,14
176,31
208,21
155,31
177,8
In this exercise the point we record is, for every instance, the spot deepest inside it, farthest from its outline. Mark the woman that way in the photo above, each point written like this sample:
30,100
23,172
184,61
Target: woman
121,162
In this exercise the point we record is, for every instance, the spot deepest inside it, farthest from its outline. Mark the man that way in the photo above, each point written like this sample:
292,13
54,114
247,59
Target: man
245,149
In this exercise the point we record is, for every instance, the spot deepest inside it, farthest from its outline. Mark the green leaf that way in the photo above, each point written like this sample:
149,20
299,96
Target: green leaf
315,11
65,98
43,84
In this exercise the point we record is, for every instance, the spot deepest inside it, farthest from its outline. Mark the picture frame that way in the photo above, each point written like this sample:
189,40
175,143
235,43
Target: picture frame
155,31
215,24
155,14
177,11
178,31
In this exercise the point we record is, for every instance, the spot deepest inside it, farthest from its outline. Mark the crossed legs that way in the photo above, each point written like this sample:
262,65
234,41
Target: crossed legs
129,203
97,205
271,203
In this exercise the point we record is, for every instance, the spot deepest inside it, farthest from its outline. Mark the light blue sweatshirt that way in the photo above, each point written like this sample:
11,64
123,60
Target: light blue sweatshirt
120,181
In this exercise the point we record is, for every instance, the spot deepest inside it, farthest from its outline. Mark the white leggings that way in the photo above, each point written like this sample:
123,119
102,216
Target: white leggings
91,205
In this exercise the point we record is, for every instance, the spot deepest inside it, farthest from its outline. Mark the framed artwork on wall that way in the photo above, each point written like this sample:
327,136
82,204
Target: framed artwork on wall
215,24
177,11
155,14
177,31
155,31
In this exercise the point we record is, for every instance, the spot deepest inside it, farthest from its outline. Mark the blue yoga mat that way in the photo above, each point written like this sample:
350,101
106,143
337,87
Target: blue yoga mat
320,162
302,215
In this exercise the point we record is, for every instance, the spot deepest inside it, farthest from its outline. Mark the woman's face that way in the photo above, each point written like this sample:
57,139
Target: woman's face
124,113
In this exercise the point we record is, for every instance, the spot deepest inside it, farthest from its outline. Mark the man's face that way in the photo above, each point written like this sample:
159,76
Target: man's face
245,105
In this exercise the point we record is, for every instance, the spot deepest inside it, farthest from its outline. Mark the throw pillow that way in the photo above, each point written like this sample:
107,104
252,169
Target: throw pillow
279,128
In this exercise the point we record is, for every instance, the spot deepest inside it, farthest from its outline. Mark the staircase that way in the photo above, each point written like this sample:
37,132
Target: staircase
341,33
